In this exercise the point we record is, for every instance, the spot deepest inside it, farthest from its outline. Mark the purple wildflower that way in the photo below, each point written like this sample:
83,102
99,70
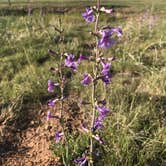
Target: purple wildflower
69,62
86,80
51,103
106,76
118,31
88,15
81,161
106,41
106,68
82,57
51,86
102,110
98,124
58,136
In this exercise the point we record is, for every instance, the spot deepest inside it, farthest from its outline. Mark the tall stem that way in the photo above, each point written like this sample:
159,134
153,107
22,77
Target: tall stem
62,84
95,70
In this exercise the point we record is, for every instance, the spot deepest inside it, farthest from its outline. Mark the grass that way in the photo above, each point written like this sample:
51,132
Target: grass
136,129
76,3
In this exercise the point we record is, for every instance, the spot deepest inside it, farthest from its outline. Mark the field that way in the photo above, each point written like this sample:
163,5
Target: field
135,131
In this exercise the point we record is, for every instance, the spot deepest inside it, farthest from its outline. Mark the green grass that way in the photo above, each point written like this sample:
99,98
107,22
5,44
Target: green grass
71,3
136,130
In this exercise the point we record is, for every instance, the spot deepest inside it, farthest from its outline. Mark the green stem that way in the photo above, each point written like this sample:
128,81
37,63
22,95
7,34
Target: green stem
66,160
62,84
95,72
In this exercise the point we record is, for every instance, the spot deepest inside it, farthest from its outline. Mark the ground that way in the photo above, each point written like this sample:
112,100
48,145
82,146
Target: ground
30,146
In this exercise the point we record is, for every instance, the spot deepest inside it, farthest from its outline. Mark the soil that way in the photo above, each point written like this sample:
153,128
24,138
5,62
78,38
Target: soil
26,142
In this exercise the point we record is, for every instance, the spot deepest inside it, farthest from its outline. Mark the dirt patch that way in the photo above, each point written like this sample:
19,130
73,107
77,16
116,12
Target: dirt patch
29,146
26,135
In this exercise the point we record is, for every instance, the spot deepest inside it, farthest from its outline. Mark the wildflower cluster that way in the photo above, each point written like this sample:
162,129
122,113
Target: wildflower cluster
105,38
69,61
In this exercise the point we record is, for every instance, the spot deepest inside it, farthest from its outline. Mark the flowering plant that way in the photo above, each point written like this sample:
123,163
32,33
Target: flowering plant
105,38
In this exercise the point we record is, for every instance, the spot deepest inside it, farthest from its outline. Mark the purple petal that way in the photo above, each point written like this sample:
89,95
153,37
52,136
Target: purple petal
107,79
98,125
81,161
69,62
88,15
103,110
86,79
51,86
77,161
106,42
82,57
118,31
58,136
51,103
106,68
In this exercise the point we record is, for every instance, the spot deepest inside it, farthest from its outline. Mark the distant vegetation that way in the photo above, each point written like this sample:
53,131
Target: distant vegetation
72,3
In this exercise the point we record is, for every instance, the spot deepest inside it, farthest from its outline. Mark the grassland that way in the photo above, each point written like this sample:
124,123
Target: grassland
71,3
136,129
